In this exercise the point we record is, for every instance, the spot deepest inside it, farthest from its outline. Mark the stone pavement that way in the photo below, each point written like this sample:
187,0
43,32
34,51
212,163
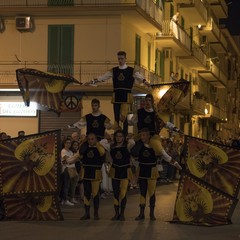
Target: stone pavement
105,229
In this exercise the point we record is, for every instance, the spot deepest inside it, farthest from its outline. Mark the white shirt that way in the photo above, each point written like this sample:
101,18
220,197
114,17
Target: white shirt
69,154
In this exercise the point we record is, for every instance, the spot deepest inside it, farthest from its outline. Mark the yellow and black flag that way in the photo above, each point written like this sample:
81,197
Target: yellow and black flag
44,88
198,203
210,183
29,176
167,95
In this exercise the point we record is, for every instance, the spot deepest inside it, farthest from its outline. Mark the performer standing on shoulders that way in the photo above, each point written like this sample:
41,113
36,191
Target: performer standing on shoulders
120,173
123,78
147,117
95,122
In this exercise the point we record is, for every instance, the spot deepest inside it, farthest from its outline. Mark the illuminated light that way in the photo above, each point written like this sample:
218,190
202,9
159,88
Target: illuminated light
206,111
9,90
162,91
199,26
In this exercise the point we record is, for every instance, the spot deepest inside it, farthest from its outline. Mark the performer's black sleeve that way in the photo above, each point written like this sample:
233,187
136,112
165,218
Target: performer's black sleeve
136,149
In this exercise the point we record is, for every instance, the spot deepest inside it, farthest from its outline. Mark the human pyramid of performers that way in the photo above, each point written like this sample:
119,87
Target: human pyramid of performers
146,148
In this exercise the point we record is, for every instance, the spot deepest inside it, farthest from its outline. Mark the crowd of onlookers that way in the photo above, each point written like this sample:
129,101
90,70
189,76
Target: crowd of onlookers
4,135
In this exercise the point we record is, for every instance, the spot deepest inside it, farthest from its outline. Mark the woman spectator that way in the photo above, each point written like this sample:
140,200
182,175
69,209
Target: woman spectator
68,171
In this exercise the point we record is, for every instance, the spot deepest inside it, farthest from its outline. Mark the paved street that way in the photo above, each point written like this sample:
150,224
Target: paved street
72,228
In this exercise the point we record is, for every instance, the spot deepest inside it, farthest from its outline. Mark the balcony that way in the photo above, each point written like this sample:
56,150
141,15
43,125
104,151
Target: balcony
198,106
221,45
145,13
219,8
215,114
81,71
197,60
211,30
174,37
195,10
214,75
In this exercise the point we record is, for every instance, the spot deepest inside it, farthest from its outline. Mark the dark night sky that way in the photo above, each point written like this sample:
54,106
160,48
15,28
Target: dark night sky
233,21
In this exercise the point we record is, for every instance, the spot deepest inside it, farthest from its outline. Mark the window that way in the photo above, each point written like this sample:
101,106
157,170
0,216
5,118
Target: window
138,50
61,48
149,56
159,63
60,2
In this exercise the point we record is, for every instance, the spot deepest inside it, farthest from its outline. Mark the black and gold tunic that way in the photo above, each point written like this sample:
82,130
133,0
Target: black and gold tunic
146,120
147,163
92,162
122,85
120,168
96,125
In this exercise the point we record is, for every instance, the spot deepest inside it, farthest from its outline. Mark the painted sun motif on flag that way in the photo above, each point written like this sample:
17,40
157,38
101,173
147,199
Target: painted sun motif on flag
201,204
29,164
216,164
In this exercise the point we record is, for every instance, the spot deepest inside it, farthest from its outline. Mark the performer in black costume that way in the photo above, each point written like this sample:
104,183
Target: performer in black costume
147,117
120,173
123,78
147,171
92,158
95,122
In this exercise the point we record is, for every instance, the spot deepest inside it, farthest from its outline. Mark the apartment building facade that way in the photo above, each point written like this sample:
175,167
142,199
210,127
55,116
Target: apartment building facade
82,37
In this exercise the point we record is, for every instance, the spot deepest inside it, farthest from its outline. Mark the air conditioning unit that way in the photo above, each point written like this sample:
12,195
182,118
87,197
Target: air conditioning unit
23,23
167,53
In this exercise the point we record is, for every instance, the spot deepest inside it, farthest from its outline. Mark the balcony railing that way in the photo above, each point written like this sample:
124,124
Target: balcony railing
198,106
170,28
216,112
81,71
198,53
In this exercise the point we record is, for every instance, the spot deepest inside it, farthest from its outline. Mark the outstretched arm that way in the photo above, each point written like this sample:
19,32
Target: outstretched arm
169,159
101,78
80,124
140,79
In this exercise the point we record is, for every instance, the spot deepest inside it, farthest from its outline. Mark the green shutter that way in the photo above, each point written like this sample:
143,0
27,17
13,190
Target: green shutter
182,22
162,65
157,62
138,50
61,48
60,2
171,11
67,48
54,32
171,66
149,56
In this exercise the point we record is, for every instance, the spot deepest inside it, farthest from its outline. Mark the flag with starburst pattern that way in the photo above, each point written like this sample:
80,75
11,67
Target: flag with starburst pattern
44,88
29,176
212,171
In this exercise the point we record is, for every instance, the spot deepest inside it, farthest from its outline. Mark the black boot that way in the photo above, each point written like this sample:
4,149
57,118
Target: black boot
86,216
141,215
116,216
96,216
152,217
121,216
